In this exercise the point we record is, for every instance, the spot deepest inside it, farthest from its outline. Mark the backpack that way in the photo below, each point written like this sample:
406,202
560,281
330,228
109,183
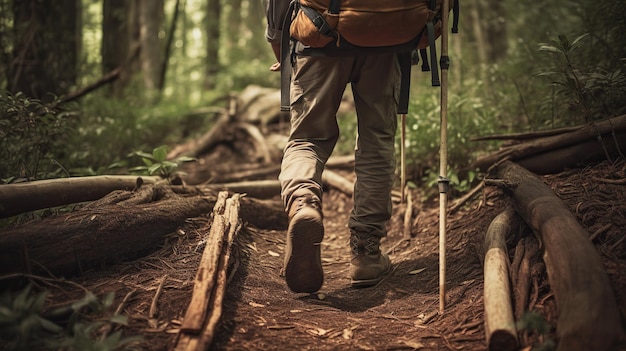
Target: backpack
348,27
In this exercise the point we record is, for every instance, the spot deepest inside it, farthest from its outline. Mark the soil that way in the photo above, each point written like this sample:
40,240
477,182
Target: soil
400,313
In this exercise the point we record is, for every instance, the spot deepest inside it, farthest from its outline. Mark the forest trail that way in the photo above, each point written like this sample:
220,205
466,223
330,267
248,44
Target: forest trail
401,313
258,312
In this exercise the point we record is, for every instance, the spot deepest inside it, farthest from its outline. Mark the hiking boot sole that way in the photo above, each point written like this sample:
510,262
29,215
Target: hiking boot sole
303,267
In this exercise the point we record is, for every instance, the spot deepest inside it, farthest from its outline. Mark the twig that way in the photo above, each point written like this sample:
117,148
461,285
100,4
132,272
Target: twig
621,240
109,77
408,214
120,307
157,294
467,197
601,230
610,181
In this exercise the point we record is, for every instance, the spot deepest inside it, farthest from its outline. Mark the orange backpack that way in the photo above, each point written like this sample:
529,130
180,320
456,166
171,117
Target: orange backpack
364,23
340,27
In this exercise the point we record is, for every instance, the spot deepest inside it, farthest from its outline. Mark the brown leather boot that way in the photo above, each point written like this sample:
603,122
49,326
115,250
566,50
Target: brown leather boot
303,263
368,265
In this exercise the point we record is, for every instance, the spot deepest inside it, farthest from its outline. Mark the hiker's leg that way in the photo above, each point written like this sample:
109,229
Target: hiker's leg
376,86
318,84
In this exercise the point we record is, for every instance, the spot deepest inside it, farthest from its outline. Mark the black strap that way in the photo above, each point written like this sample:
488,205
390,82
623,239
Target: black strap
334,7
404,60
432,5
455,19
425,65
285,59
430,28
320,23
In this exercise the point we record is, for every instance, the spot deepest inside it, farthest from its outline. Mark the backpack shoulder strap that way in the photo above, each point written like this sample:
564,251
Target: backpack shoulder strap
285,58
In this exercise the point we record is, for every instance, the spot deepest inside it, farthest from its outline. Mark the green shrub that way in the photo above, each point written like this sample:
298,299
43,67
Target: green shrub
33,135
26,325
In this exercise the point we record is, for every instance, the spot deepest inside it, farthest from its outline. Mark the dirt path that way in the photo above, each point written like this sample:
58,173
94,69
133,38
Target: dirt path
399,313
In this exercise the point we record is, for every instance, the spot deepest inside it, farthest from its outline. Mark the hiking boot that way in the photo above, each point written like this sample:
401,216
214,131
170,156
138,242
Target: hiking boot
368,265
303,263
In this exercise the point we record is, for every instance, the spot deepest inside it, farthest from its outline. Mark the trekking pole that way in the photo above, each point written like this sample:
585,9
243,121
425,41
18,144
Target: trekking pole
443,181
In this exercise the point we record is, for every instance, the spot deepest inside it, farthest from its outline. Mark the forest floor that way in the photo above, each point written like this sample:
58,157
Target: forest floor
400,313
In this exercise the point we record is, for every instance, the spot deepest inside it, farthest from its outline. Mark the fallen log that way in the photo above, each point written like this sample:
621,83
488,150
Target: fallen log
573,156
335,180
528,249
500,328
72,243
527,135
23,197
588,315
207,271
265,189
606,137
205,308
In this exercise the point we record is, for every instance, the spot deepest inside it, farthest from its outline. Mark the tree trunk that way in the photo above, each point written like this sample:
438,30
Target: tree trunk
213,13
150,17
588,315
168,47
496,33
45,52
481,49
233,26
117,22
255,20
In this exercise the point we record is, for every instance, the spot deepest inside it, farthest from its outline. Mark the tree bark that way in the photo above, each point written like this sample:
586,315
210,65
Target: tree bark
588,315
23,197
205,309
72,243
207,272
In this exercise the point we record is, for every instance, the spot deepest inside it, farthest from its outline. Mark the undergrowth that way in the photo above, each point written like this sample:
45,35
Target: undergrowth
86,324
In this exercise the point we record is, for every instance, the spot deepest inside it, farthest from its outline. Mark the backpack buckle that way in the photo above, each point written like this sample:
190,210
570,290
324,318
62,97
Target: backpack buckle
323,27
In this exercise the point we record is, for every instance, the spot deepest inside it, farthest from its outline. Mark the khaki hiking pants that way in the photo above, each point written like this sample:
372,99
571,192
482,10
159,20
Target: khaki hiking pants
317,86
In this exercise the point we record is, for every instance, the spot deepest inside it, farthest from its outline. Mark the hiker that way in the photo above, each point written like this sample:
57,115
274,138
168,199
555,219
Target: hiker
317,85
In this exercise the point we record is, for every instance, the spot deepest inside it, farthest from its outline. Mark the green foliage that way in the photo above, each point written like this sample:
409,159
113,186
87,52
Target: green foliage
110,128
25,325
596,58
590,94
32,132
468,115
156,163
534,323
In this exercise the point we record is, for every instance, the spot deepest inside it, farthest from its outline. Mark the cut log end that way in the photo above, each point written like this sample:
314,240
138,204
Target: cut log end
502,340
